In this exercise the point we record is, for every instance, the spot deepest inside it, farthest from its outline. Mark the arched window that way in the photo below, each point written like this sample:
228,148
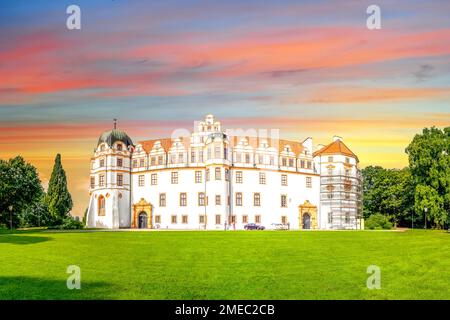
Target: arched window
119,147
101,205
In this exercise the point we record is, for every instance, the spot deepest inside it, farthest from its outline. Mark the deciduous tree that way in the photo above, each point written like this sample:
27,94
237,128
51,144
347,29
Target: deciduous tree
20,188
429,162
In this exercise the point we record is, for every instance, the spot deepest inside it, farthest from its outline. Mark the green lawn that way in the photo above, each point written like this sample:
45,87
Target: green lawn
225,265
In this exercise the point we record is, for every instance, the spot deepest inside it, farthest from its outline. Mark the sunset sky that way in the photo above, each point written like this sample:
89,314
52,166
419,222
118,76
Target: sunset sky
307,68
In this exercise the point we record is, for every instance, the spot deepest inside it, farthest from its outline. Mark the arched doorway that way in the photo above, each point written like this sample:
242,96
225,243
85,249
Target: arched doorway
306,221
307,216
142,207
143,218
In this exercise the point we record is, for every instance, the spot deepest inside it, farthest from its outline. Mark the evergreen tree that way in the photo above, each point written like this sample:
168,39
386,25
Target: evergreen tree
58,198
85,217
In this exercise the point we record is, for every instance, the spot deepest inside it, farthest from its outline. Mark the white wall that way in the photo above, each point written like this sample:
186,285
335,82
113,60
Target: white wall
270,209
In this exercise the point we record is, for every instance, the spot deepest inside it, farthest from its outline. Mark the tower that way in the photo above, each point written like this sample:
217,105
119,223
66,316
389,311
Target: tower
110,177
340,186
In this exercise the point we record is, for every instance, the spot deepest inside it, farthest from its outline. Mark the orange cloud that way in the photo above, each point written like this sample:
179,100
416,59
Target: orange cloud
54,64
352,94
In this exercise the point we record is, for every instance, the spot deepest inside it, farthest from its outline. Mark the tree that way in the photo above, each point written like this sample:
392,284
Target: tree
85,217
427,197
429,162
20,187
58,198
34,215
371,176
388,192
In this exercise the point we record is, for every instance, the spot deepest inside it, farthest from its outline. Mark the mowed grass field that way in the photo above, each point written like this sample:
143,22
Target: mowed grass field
225,265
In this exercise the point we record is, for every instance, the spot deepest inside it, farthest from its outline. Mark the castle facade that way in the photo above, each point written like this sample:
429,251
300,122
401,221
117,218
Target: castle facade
215,180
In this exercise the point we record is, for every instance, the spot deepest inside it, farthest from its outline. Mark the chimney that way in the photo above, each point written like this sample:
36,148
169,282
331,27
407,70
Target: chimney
337,138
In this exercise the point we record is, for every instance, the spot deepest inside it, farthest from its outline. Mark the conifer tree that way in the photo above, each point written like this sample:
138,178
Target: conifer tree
58,198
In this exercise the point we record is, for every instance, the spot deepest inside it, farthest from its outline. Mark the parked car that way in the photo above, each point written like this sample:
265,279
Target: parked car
253,226
279,226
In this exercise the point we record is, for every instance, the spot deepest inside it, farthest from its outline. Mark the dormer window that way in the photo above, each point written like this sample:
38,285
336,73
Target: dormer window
102,147
119,147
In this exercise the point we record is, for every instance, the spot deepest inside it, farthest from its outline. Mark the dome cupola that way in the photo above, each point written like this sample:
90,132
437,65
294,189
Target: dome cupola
114,135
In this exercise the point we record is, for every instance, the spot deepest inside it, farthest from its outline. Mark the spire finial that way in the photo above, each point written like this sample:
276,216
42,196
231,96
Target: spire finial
115,123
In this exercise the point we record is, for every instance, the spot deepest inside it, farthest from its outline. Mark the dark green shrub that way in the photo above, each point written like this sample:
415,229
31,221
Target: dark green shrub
69,223
377,221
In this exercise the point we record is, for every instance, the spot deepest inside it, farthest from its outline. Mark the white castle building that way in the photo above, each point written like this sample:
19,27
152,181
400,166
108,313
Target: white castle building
212,179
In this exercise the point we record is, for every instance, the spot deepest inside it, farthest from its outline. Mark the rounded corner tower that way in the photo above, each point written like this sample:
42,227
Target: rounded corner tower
110,181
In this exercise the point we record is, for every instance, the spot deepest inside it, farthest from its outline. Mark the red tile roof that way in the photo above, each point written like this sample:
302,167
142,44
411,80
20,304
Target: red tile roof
254,142
336,147
166,143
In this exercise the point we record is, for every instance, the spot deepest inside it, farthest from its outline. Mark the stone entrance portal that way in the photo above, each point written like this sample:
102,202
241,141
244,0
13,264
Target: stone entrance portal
142,215
307,216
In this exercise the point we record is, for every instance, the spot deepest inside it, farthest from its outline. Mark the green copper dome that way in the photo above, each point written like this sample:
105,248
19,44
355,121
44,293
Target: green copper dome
114,135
